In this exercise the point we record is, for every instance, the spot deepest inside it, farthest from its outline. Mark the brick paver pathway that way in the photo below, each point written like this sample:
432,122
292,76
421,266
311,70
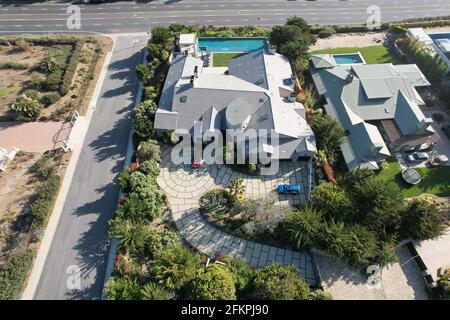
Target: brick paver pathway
184,185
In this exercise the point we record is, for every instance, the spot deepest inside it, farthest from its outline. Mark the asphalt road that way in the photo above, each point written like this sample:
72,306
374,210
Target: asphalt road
128,17
81,237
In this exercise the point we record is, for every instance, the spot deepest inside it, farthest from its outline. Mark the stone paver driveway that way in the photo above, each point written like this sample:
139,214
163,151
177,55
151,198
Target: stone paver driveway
184,185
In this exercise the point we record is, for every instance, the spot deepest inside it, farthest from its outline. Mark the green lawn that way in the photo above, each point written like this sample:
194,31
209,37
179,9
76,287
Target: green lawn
434,180
220,59
372,54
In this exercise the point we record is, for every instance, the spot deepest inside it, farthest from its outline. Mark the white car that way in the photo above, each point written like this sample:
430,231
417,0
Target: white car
417,157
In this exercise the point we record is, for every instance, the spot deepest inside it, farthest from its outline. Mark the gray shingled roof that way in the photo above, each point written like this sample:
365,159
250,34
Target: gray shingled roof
250,67
376,92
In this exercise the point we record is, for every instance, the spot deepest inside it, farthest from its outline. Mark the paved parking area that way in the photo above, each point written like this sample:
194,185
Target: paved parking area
34,136
184,185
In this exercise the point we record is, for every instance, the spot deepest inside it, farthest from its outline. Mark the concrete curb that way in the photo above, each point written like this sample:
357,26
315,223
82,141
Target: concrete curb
39,262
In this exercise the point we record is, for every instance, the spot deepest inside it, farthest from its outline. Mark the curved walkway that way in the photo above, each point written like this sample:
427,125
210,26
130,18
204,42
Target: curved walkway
184,185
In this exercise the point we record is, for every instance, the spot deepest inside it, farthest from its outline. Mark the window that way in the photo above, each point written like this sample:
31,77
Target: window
183,98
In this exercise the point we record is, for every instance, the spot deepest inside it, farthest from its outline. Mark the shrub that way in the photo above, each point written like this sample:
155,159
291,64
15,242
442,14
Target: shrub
122,289
444,287
131,236
153,291
329,135
14,273
326,32
142,206
279,282
50,98
44,199
243,274
160,35
215,282
22,45
34,94
13,65
143,116
42,168
149,168
304,227
149,150
320,295
175,268
27,108
422,220
332,201
157,241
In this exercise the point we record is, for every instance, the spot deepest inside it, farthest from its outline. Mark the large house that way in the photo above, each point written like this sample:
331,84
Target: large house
255,91
377,105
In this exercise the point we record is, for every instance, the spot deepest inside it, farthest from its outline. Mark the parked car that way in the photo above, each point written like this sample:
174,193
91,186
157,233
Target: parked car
438,160
425,146
408,148
288,189
417,157
446,129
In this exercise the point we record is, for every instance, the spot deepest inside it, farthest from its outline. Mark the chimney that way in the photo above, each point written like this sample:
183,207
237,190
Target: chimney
349,78
196,71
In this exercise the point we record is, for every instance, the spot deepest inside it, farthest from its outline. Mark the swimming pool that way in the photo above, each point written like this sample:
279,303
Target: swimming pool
439,36
351,58
231,44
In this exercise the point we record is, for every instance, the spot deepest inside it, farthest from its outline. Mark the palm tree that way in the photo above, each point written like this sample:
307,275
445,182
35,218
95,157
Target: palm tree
153,291
131,236
175,267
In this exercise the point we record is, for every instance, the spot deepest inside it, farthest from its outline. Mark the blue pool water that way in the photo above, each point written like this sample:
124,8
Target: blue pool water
231,45
439,36
352,58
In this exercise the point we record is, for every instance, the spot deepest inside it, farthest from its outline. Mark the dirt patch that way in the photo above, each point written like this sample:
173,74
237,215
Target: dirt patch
13,81
349,40
89,64
18,187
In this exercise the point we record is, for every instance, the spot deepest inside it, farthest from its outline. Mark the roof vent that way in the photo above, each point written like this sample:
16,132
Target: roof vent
263,117
183,98
349,78
261,100
260,81
191,81
196,71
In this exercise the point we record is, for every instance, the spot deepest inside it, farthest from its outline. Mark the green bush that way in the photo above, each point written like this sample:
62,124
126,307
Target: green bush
13,65
44,199
14,273
49,98
122,289
27,108
444,287
422,220
175,268
280,282
131,236
142,206
153,291
149,150
215,282
143,117
243,274
158,240
149,168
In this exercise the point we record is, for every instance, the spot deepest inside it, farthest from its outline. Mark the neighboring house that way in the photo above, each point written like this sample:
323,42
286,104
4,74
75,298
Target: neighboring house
256,91
434,43
372,102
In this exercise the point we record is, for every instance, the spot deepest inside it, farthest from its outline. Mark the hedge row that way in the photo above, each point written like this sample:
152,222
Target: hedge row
14,273
70,69
12,65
